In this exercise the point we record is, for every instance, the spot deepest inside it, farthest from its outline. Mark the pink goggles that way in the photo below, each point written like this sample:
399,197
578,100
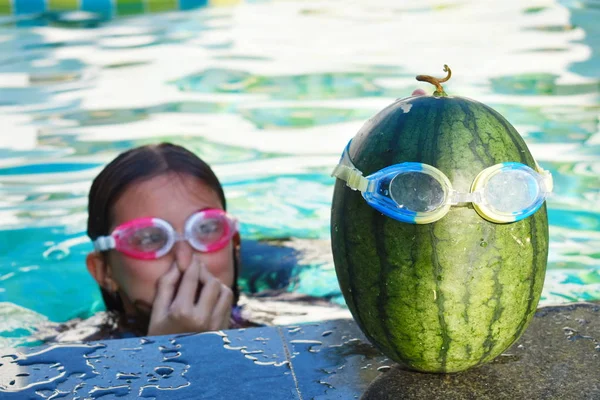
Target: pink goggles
150,238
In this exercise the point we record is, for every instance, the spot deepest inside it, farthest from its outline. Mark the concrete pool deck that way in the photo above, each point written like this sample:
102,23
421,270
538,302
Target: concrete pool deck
557,357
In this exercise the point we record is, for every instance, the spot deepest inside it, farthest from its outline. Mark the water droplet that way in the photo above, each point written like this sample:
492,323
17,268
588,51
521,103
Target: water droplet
569,332
165,349
506,358
163,371
103,391
329,385
483,243
326,333
305,341
127,375
171,357
384,368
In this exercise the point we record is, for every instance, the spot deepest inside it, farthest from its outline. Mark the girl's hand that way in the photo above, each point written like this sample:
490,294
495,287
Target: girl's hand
176,309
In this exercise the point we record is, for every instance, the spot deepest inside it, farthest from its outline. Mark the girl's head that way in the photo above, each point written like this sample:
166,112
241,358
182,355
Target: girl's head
161,181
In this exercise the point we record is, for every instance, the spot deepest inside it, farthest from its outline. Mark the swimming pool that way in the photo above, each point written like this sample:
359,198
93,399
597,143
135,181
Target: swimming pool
269,92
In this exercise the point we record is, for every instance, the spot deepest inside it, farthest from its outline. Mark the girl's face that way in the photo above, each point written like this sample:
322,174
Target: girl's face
173,198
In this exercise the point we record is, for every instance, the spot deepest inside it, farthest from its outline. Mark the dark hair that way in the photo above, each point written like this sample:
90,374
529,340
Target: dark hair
136,165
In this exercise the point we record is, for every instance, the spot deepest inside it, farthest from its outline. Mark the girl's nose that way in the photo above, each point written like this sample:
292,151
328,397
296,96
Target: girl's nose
184,253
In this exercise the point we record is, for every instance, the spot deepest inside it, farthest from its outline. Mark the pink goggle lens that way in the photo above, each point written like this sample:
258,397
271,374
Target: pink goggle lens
148,239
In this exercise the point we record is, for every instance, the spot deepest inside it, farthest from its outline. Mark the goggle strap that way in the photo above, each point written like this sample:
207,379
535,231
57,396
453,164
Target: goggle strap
104,243
546,176
351,176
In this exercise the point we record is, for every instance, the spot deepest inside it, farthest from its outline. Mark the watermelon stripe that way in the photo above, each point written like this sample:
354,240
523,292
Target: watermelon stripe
490,343
532,295
340,231
430,145
437,268
421,138
537,263
438,271
394,142
467,297
364,295
514,136
476,145
383,297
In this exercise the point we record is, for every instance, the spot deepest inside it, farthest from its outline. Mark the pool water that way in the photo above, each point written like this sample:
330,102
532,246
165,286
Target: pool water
269,92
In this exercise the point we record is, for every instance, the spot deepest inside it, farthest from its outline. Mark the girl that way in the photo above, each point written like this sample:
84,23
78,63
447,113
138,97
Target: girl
166,252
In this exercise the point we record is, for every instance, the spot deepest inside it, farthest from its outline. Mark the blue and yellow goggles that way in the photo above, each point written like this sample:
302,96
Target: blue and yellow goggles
418,193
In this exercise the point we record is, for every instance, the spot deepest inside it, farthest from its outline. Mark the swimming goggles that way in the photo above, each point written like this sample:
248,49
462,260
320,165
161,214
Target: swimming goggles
151,238
418,193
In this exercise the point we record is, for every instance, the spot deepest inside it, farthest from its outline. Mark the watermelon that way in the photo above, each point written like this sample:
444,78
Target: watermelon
450,295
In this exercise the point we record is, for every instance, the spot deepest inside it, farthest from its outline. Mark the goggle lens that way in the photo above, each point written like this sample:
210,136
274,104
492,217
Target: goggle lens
148,239
417,191
512,190
209,230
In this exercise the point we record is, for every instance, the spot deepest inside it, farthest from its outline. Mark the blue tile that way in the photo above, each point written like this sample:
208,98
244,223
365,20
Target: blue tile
234,364
330,360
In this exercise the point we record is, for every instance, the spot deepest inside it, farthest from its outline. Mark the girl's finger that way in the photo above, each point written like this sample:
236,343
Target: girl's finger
184,299
419,92
208,297
222,310
203,273
165,292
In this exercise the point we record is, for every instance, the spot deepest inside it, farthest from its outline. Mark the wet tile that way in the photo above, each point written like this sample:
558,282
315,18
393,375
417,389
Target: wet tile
332,360
249,364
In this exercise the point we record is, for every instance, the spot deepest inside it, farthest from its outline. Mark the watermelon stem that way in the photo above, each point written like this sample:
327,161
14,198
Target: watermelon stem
439,90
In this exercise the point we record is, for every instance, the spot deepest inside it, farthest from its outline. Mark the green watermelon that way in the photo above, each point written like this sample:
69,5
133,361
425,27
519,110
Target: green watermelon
450,295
